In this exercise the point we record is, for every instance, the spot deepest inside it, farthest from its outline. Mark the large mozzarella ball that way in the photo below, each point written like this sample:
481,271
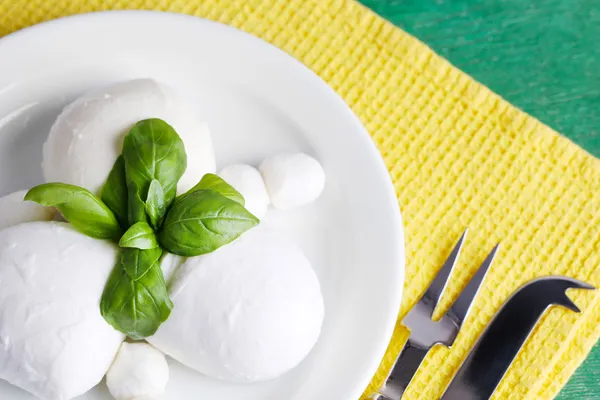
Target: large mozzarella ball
248,312
292,179
53,341
14,210
87,137
138,370
169,264
248,181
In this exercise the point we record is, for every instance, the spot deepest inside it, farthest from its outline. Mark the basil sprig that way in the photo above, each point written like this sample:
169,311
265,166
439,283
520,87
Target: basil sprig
87,213
114,192
135,300
202,221
152,151
155,203
139,236
139,199
216,183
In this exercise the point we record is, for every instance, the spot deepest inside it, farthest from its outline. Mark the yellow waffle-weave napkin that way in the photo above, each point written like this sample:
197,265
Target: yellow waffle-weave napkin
459,156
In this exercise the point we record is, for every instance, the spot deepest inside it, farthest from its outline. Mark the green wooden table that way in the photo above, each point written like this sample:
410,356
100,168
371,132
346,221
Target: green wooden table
541,55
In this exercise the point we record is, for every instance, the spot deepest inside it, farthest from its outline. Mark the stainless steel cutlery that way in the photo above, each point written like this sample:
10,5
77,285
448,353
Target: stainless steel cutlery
481,372
426,332
494,352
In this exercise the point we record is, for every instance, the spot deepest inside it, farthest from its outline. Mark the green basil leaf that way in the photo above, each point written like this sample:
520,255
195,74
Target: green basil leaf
87,213
216,183
139,236
155,203
114,192
201,222
136,209
152,150
137,262
136,307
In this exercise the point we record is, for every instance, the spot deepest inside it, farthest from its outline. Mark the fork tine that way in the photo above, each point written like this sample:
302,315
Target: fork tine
436,288
461,307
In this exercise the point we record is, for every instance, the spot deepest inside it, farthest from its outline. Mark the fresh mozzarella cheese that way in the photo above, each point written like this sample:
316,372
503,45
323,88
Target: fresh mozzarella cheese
53,341
14,210
292,179
169,264
248,181
87,136
138,370
248,312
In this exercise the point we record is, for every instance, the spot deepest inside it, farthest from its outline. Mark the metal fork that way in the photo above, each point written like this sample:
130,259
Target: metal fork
425,333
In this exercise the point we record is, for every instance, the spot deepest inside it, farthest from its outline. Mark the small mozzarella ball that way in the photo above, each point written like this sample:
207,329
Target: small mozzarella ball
139,370
146,398
292,180
87,137
248,181
248,312
14,210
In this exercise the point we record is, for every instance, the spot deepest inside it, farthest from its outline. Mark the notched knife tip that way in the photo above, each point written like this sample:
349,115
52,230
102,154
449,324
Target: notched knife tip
577,284
565,301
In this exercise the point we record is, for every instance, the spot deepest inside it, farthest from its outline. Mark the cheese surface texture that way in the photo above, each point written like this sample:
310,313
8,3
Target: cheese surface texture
14,210
87,137
292,179
248,312
53,341
248,181
138,370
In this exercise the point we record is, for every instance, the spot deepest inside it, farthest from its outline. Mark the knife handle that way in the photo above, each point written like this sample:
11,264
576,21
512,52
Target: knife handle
402,372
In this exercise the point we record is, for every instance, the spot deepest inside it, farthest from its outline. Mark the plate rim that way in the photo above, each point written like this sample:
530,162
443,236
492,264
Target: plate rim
396,226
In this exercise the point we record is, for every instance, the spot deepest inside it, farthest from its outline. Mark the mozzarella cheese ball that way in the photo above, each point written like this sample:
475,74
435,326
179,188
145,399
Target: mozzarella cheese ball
292,179
54,342
14,210
87,137
248,181
138,370
248,312
169,263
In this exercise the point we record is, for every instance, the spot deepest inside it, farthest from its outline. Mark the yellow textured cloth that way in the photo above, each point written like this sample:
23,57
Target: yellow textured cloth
458,155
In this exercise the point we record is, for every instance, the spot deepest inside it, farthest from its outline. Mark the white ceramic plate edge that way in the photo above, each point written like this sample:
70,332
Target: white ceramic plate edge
394,292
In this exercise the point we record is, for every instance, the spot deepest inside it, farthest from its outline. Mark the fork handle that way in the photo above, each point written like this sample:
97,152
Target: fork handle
403,371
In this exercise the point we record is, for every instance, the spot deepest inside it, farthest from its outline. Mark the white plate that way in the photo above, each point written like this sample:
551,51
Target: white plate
257,101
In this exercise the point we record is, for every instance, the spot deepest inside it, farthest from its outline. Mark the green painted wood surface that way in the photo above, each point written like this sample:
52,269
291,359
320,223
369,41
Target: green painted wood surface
541,55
